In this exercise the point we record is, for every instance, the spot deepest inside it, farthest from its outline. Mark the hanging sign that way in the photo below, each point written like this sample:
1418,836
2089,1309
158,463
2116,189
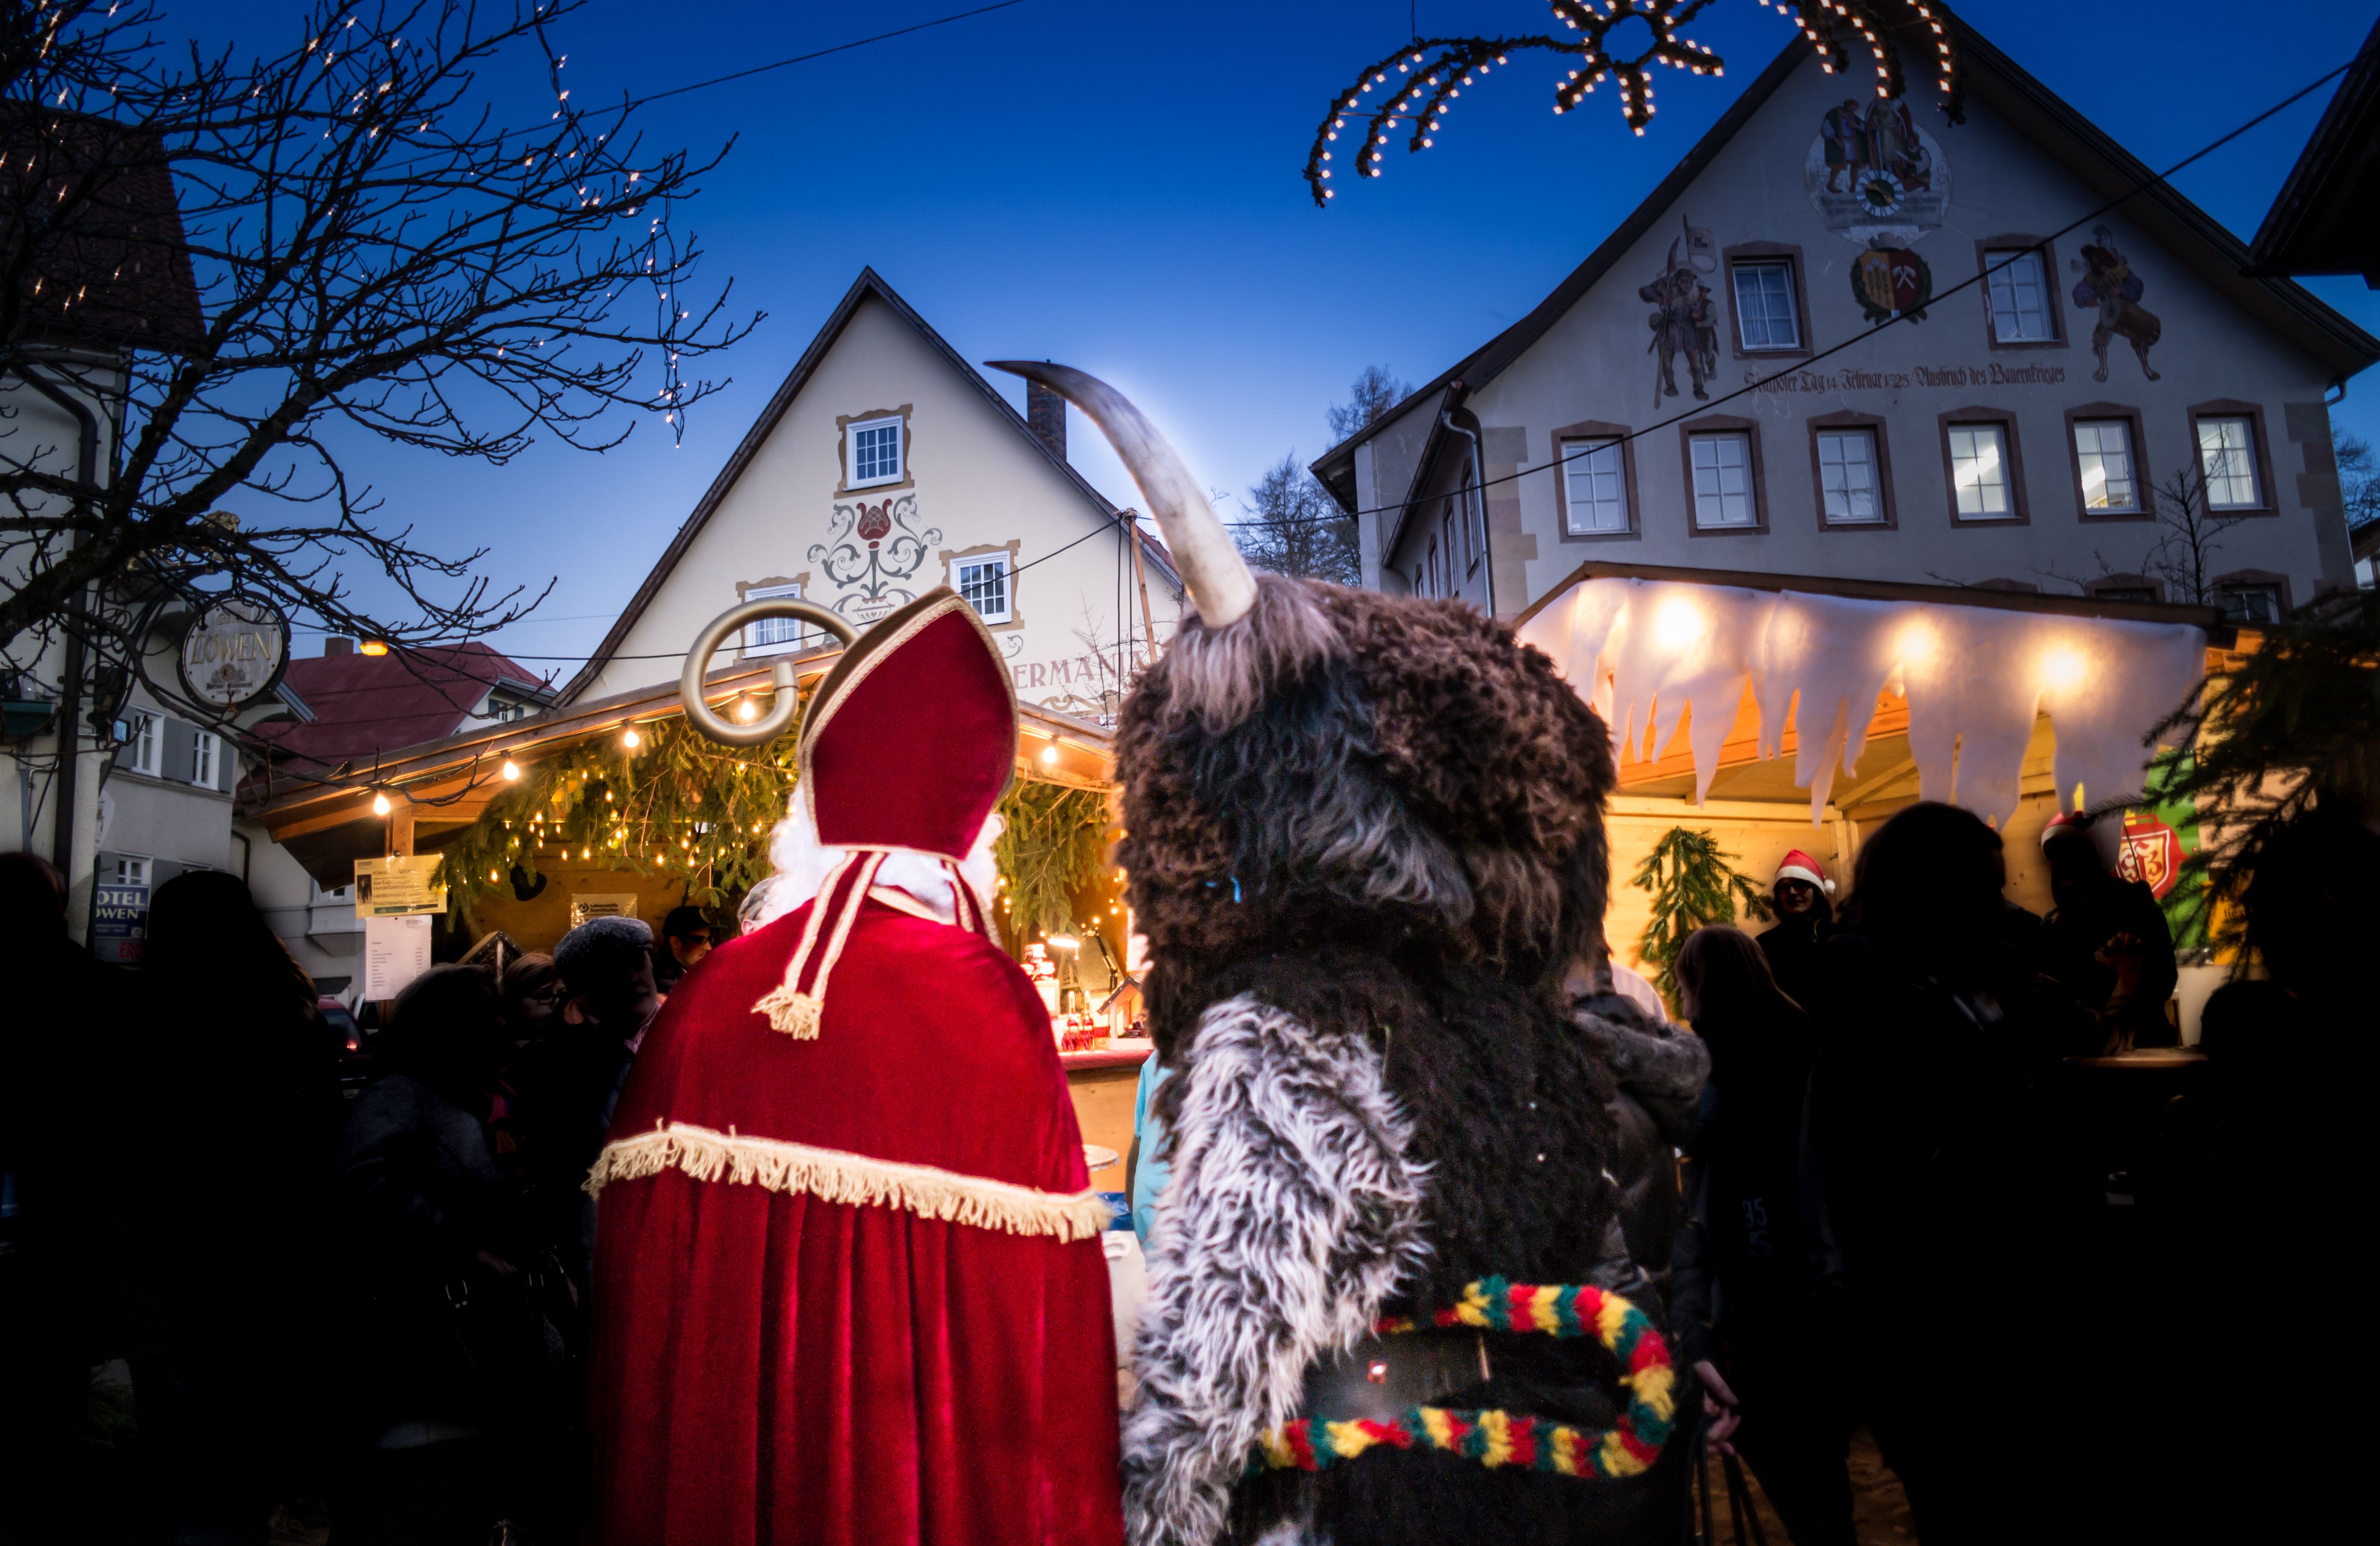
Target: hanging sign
2151,853
396,950
399,886
234,652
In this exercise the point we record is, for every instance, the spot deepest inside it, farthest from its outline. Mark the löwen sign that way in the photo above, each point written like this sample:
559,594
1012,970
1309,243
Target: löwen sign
234,652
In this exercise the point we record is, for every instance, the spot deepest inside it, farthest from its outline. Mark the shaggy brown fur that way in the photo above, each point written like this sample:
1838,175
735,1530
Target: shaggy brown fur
1426,775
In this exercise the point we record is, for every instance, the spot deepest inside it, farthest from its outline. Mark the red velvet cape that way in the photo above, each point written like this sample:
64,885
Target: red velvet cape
771,1368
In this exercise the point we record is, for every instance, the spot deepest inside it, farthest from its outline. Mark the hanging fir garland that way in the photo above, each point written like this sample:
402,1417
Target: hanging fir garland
1055,841
1691,884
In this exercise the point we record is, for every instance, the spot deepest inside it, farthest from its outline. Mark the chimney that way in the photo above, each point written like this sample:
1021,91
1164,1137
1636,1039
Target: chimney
1046,412
338,644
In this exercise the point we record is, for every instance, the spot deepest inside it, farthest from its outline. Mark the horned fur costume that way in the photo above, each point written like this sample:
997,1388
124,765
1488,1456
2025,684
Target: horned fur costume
1365,840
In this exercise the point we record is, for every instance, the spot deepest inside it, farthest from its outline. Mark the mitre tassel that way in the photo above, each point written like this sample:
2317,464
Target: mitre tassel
796,1005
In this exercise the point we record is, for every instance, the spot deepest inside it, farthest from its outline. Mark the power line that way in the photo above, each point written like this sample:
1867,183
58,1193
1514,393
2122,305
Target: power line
820,53
1706,405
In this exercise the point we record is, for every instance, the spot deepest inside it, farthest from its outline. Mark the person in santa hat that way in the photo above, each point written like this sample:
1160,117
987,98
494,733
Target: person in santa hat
1801,895
848,1284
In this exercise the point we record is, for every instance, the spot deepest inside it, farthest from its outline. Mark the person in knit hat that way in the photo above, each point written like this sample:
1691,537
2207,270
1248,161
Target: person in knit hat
1801,895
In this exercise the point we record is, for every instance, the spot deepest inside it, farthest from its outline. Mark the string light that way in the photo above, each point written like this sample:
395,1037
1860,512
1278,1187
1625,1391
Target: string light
380,804
1428,98
511,773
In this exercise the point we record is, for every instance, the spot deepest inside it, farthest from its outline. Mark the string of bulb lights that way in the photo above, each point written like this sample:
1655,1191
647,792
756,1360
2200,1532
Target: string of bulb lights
1429,73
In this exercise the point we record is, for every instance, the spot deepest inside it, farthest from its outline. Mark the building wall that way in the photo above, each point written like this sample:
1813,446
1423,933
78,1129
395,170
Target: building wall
1594,366
975,485
35,431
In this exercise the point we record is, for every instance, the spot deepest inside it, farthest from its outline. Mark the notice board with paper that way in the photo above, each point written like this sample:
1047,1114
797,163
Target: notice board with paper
399,886
396,950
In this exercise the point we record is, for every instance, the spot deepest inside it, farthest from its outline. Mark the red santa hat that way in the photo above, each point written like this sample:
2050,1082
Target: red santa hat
1799,866
905,748
2105,837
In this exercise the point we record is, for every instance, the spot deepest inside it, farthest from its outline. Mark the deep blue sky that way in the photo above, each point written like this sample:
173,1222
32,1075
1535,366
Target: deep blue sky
1116,186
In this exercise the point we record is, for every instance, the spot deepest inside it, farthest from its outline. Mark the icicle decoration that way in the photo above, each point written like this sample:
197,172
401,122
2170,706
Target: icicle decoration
1648,654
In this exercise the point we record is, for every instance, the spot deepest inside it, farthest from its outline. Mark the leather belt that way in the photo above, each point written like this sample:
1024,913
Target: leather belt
1385,1376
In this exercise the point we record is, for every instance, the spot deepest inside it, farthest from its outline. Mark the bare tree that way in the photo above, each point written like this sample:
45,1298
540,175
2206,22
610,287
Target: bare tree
373,252
1376,391
2188,534
2359,479
1294,528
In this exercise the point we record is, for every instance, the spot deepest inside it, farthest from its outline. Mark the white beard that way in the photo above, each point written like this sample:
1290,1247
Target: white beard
800,863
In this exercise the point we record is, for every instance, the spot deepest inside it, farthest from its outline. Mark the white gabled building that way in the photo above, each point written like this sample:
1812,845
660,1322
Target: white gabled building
2013,436
885,466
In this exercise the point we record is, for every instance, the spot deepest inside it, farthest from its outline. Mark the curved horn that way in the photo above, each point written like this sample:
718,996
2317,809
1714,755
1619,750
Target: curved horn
1219,578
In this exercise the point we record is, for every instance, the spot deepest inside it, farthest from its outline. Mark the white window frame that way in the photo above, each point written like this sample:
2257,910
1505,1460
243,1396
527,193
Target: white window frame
2094,460
775,636
1970,472
1595,459
961,577
1720,494
2239,461
1783,268
2225,592
148,740
1870,461
2012,271
206,750
133,870
852,432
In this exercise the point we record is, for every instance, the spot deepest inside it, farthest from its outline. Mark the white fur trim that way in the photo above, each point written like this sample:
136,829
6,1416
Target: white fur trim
831,1175
1291,1214
800,863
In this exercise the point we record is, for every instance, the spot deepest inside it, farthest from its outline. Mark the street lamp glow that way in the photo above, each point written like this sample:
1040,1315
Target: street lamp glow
380,804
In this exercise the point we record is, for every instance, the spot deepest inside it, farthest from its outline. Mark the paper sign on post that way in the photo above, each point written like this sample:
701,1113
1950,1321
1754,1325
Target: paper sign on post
399,886
602,904
396,950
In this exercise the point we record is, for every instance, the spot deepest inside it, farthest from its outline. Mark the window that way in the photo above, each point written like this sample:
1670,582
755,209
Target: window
1722,468
1474,519
775,636
2252,603
1849,492
1979,477
2019,297
984,583
1765,317
2102,450
875,453
204,747
146,735
1436,589
130,869
1596,484
2226,457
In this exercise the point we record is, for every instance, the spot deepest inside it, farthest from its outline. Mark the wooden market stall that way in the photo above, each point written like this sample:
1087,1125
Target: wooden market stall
524,811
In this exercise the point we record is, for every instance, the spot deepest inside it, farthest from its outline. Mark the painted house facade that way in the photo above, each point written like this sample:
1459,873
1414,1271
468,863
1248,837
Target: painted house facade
2041,428
885,466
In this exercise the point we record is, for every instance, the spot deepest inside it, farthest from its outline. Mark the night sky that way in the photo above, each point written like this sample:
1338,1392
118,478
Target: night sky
1116,186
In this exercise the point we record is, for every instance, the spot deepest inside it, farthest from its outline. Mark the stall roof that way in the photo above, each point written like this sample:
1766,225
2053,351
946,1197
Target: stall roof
2207,617
449,781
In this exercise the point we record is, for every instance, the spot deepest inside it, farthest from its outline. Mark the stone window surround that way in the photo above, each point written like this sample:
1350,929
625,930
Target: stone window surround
2141,479
1752,251
1715,423
843,424
2232,408
2120,581
1597,429
950,557
1875,426
2017,241
2021,511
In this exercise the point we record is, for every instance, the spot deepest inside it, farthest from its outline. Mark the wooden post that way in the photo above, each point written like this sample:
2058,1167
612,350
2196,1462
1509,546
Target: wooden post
1140,575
